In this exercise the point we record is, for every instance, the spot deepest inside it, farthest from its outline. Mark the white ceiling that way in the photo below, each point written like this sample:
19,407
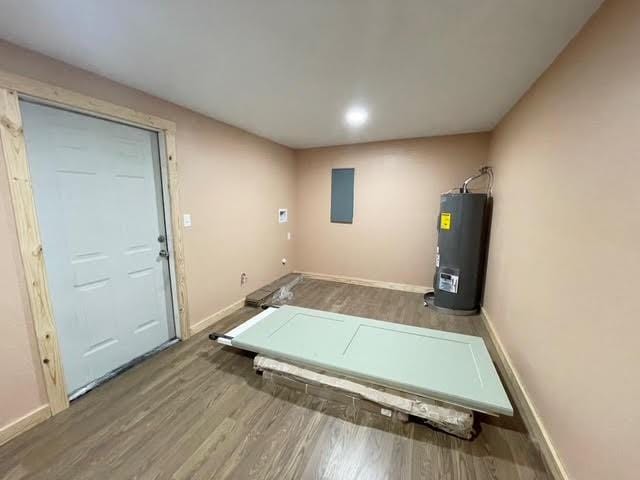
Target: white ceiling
288,69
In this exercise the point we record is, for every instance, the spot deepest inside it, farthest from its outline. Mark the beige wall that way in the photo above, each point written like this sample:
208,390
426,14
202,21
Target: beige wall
231,182
564,263
21,386
397,190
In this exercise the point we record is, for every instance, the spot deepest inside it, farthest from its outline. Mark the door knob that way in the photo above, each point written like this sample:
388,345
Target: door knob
163,253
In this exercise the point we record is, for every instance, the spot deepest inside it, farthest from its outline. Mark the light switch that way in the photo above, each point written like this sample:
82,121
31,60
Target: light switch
288,235
186,220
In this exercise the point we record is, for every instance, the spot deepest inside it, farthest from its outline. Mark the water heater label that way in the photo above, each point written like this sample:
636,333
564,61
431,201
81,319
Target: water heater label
448,282
445,221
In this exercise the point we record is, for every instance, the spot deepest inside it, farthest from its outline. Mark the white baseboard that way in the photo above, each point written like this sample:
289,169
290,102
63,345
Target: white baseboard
24,423
525,406
211,319
367,283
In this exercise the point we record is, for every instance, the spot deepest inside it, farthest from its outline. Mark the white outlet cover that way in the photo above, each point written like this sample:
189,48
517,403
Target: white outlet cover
186,220
283,215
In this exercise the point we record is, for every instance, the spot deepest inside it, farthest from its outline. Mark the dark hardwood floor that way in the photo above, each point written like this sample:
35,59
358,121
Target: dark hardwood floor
198,411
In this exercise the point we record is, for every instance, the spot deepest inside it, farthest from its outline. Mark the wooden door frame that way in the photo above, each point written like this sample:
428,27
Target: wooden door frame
13,148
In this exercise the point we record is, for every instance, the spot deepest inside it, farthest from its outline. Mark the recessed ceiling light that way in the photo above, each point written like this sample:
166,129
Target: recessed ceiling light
356,116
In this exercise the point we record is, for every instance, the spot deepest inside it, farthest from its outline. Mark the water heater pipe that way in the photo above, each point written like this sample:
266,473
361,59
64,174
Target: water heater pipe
481,173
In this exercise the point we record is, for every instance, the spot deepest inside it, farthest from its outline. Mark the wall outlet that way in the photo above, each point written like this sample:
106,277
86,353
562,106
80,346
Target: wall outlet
288,235
243,278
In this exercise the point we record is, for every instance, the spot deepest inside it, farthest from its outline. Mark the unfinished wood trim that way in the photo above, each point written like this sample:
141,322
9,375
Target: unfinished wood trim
24,423
79,102
525,406
367,283
176,231
15,156
220,314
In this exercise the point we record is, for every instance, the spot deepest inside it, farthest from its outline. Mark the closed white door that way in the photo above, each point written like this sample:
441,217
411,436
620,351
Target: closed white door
98,194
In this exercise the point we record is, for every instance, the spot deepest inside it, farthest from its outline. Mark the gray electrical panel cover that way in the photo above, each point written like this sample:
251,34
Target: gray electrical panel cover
342,181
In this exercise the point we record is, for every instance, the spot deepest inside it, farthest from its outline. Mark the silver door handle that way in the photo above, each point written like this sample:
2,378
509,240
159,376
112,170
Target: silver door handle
163,253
